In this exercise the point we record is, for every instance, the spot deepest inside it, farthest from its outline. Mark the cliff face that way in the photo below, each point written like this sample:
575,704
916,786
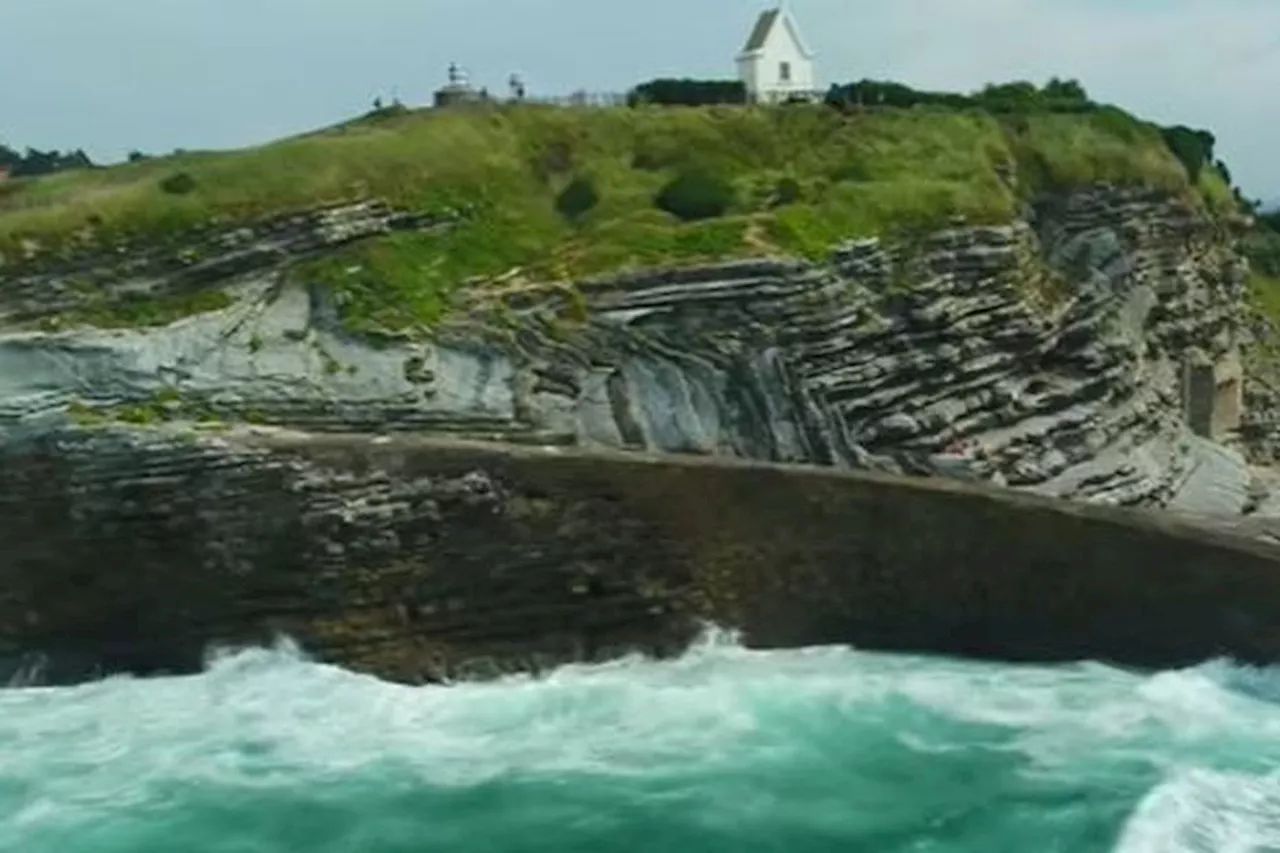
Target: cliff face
421,560
1086,351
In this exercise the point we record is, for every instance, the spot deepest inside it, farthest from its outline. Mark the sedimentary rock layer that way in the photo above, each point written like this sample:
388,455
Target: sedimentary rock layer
422,560
1055,354
1087,351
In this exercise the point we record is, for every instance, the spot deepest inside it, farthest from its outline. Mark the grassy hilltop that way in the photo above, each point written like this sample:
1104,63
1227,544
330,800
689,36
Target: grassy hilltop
566,193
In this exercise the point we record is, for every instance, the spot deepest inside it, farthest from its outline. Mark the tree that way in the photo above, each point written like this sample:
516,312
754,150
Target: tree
1019,96
688,93
1193,148
1066,90
34,162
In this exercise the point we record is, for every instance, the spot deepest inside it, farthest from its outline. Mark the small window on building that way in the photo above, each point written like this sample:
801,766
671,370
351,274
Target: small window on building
784,72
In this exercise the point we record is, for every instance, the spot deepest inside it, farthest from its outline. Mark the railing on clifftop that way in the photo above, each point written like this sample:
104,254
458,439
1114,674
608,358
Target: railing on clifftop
579,99
599,100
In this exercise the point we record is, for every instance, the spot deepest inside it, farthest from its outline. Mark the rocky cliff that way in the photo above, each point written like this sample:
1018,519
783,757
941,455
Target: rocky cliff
1088,350
423,560
210,435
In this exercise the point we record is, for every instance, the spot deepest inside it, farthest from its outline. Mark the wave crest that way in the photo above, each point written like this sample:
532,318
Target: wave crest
722,748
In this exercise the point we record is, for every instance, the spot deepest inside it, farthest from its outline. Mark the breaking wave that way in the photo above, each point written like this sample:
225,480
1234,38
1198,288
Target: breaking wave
724,749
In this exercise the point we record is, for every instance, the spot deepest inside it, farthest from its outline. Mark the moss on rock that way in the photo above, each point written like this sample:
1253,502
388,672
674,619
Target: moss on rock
139,312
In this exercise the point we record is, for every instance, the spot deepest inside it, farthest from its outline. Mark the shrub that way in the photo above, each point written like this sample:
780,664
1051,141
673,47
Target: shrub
695,195
577,198
553,158
647,161
878,93
1262,248
688,93
179,183
852,171
1193,148
788,191
1056,96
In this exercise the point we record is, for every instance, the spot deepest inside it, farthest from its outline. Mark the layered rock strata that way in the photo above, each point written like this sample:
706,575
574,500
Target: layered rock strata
1088,351
1076,353
423,560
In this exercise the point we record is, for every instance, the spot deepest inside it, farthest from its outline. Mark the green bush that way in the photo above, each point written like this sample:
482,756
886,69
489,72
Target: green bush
788,191
1056,96
1262,248
554,157
180,183
1193,148
696,195
577,199
688,93
647,161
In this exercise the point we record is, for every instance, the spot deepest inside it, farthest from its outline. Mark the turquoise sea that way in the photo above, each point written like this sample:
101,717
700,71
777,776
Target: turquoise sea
722,750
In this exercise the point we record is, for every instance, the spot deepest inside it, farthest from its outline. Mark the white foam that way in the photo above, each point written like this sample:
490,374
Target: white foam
1197,743
1203,811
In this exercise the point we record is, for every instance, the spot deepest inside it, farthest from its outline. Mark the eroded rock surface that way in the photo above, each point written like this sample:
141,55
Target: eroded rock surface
422,560
1059,354
1089,352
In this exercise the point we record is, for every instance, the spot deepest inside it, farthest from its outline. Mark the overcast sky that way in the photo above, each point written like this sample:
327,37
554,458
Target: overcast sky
112,75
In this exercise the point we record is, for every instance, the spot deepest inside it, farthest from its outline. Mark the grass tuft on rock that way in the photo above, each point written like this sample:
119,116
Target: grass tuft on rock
140,312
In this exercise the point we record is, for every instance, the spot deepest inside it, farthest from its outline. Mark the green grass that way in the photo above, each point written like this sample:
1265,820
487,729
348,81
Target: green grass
1264,293
1216,192
134,313
880,172
1062,151
1264,297
165,406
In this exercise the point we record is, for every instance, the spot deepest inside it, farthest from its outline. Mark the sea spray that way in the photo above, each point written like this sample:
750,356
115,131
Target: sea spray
723,749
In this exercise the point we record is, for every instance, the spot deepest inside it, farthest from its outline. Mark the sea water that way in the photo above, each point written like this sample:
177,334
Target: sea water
724,749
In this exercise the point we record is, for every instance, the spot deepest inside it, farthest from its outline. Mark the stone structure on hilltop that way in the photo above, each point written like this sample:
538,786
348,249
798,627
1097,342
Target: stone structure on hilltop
458,90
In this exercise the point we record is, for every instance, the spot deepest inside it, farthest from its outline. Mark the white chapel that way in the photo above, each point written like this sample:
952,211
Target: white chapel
776,63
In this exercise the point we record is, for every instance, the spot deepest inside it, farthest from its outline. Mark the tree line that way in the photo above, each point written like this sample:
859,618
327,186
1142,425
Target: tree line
33,162
1193,147
1020,96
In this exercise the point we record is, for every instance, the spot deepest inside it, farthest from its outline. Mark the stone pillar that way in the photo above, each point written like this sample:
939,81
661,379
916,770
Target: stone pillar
1228,397
1198,389
1212,394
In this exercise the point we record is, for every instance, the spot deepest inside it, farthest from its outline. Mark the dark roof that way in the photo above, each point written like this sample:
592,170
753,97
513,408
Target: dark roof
761,31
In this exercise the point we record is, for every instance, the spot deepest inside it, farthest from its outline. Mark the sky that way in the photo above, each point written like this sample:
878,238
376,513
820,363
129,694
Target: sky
110,76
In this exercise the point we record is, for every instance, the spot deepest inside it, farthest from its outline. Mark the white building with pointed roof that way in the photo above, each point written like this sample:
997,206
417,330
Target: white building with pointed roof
776,63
